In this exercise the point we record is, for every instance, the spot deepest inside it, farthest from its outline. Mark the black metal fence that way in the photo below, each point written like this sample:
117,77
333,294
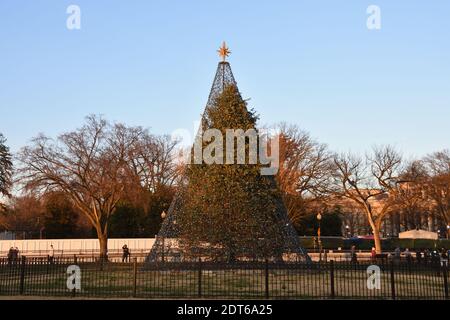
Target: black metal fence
265,280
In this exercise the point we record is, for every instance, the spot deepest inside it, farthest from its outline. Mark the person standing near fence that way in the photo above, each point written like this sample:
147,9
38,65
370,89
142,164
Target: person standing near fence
397,255
354,258
16,253
444,257
125,253
408,255
373,254
10,255
51,255
419,256
435,257
426,256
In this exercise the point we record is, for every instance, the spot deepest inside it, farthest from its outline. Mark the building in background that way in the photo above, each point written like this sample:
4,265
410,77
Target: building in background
355,222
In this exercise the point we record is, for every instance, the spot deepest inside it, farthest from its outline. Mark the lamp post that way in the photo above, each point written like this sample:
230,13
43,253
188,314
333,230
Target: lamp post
319,218
163,216
41,229
448,231
347,231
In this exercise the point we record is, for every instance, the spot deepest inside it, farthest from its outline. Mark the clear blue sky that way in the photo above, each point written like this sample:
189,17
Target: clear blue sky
151,63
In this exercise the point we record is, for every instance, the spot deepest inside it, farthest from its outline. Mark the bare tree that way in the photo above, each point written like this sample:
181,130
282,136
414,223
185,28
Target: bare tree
304,173
371,183
155,163
25,216
437,184
90,165
410,201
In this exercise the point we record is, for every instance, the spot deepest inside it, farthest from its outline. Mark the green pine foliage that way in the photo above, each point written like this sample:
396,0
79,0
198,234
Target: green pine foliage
5,167
229,210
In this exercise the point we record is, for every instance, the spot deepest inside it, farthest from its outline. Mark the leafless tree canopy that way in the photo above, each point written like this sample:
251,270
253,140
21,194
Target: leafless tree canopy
410,197
96,166
154,162
305,168
437,182
363,180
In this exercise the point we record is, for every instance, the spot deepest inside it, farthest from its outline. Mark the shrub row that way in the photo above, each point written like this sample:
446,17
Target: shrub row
333,243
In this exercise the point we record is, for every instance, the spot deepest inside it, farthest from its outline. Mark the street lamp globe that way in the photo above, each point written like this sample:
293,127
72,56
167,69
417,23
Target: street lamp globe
319,216
163,215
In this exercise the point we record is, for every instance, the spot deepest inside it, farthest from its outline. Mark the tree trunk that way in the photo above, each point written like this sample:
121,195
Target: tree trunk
376,227
377,240
103,239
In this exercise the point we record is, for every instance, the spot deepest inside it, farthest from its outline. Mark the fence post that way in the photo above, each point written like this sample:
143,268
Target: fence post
74,259
22,275
135,277
199,277
332,278
444,274
392,281
267,279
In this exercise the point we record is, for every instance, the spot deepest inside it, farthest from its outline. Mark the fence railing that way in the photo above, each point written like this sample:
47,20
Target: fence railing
263,280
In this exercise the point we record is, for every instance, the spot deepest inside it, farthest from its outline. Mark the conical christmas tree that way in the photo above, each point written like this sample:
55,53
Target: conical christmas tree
226,212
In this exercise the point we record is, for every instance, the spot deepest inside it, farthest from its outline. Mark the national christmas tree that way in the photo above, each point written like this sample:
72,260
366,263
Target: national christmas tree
226,211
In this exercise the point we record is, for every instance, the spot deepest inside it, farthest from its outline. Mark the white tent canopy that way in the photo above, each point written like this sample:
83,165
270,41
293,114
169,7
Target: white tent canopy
418,234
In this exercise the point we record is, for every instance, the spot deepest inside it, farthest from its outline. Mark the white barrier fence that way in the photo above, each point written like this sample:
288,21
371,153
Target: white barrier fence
74,246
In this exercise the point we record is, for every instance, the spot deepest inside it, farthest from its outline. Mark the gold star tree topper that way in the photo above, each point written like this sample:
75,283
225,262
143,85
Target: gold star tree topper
224,52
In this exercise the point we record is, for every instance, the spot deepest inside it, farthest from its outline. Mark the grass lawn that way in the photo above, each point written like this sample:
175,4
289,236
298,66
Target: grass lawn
117,280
